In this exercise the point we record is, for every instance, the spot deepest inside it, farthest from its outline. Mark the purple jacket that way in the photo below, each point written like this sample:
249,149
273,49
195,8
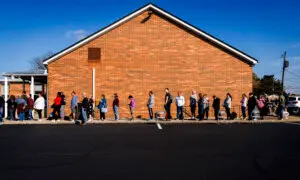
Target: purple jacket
132,103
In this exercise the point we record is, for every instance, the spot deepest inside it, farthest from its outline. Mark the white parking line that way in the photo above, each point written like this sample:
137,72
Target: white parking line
158,126
292,123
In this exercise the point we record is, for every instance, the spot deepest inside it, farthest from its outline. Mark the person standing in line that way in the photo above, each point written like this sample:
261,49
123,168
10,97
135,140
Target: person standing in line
39,105
24,96
116,106
84,109
193,104
74,105
201,107
2,105
244,105
102,106
132,106
62,106
251,105
227,105
206,106
180,106
150,105
261,106
29,107
168,102
56,107
11,106
281,106
90,111
216,106
21,105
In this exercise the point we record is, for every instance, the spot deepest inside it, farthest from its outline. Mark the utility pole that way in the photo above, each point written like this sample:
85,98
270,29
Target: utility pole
285,65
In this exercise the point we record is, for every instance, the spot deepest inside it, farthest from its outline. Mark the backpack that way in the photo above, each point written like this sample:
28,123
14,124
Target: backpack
193,101
170,98
259,103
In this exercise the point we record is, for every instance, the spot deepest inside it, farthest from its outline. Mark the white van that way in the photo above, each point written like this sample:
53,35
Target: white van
294,105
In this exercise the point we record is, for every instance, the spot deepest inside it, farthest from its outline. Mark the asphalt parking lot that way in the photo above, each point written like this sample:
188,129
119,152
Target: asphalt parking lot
142,151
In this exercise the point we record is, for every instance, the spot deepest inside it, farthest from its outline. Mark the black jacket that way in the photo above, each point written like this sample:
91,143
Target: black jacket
216,103
85,103
11,104
2,102
252,102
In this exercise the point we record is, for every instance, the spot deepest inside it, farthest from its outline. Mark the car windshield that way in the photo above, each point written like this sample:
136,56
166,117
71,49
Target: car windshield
292,98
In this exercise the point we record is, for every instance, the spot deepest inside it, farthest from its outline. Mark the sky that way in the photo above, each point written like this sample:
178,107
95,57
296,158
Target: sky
262,29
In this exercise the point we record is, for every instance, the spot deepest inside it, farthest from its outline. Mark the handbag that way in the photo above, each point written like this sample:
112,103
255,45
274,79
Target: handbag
104,110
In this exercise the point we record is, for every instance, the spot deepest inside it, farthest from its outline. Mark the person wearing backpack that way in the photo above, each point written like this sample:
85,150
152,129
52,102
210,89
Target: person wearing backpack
102,106
193,104
132,105
251,105
168,102
261,105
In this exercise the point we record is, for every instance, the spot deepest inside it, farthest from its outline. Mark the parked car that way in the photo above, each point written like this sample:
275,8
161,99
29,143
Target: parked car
293,105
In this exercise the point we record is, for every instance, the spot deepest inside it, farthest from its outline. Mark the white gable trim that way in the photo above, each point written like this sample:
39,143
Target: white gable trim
201,33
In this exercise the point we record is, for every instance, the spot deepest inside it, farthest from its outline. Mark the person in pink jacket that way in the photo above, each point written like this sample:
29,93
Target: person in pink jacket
132,105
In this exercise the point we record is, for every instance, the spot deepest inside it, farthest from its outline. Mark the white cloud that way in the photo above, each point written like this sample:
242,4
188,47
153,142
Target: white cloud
77,34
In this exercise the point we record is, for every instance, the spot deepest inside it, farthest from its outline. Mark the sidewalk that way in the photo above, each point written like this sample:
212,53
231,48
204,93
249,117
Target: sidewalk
141,121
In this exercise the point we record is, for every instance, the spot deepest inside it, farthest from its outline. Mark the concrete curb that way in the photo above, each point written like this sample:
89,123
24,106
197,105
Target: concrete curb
47,122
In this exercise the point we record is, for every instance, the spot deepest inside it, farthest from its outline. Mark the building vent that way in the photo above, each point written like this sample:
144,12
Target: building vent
94,54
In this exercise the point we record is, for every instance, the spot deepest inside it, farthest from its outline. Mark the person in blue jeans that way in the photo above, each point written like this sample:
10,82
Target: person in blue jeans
85,105
21,105
116,106
201,107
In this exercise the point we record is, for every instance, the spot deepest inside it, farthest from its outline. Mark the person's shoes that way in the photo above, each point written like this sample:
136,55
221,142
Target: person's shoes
149,119
52,120
58,120
39,120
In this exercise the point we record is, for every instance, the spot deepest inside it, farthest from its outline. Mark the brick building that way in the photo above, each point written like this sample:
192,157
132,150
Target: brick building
149,49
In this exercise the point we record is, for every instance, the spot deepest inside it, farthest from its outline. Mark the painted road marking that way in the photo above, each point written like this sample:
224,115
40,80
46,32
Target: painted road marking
158,126
292,123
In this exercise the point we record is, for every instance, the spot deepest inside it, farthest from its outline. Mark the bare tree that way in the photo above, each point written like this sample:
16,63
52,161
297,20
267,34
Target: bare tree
37,62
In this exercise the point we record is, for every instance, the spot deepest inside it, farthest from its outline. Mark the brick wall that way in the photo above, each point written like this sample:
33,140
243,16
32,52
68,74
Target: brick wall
138,57
17,88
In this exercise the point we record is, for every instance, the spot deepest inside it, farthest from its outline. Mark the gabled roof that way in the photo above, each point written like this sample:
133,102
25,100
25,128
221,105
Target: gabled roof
167,15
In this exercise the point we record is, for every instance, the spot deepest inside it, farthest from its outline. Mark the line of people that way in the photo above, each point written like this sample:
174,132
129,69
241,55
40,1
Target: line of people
21,107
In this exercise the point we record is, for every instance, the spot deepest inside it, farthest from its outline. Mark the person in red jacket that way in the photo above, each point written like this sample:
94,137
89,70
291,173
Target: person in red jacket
116,106
56,106
29,106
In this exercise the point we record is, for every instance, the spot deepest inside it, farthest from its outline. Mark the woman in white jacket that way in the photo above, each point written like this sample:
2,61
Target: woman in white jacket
39,105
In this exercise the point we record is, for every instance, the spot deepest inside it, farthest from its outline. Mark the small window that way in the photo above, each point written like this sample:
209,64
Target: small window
94,54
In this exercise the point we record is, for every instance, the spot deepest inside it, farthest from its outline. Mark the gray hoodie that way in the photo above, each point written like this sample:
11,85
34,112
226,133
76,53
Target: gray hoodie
150,102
